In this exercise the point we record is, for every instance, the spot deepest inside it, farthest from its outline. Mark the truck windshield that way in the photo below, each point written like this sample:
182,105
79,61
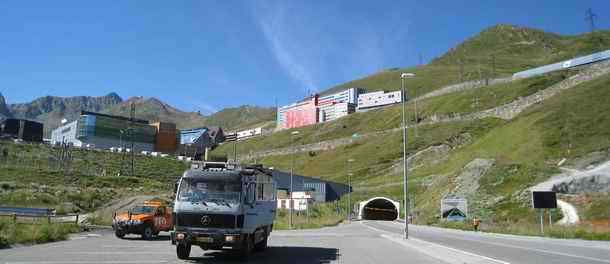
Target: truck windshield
142,210
219,192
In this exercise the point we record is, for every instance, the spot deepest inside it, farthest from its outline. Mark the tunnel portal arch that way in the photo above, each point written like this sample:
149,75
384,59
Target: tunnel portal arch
379,208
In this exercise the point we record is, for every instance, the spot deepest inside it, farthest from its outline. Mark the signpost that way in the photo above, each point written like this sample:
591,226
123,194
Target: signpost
544,200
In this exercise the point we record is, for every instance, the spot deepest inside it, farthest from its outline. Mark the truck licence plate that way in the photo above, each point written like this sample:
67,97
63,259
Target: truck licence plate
205,239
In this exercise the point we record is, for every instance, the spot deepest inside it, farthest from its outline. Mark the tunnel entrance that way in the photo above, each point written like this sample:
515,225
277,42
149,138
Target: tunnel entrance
380,209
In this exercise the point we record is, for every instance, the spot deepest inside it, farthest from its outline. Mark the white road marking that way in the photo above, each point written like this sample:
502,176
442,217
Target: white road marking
400,241
434,244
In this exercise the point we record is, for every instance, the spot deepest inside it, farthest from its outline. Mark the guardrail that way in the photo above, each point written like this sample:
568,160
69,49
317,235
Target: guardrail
37,215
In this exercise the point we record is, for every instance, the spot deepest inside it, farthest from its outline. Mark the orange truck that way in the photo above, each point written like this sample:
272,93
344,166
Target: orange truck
147,220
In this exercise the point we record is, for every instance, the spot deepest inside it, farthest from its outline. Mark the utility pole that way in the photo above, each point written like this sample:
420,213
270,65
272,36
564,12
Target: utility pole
493,66
404,76
461,64
349,192
591,17
132,117
235,150
291,200
479,70
416,113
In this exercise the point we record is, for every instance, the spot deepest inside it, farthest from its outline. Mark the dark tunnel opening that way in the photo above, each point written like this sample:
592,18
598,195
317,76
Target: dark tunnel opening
379,209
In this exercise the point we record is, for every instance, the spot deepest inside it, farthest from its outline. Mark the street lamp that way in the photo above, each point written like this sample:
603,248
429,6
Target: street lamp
349,191
291,201
404,76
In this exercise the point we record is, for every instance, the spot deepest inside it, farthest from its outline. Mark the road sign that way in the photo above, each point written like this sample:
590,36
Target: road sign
544,199
450,202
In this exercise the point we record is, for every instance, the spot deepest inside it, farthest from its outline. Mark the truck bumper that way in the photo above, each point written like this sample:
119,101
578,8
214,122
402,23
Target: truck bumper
128,228
207,239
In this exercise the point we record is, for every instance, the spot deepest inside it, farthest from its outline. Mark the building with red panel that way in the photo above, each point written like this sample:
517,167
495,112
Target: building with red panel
303,113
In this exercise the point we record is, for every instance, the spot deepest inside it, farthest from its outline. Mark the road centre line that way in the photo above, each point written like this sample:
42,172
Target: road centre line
434,244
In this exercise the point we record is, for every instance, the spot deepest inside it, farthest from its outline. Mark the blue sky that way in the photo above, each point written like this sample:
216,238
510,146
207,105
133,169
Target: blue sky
207,55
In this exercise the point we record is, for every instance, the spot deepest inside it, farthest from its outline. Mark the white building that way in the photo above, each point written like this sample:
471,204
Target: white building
337,105
66,133
377,99
299,201
244,134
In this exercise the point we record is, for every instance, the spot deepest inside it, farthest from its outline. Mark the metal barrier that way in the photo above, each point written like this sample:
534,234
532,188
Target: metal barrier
37,215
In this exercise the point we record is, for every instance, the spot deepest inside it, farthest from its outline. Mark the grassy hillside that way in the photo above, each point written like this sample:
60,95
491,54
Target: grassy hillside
242,117
390,117
524,150
32,176
514,49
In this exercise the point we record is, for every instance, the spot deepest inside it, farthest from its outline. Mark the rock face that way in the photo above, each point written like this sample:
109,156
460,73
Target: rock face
593,183
4,112
467,183
573,181
432,155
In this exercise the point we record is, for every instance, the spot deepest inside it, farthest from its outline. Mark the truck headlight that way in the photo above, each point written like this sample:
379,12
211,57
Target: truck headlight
230,238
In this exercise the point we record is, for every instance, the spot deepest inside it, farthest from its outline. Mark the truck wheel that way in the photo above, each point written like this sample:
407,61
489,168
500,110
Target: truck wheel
183,251
247,246
262,245
147,233
119,234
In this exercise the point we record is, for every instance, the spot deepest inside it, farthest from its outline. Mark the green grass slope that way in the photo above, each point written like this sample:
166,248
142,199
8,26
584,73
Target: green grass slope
525,150
514,48
31,176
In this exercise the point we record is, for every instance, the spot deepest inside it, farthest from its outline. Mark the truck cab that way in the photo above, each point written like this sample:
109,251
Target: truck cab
223,205
146,219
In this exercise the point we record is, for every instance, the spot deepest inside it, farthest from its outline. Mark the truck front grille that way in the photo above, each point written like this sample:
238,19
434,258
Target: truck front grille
213,220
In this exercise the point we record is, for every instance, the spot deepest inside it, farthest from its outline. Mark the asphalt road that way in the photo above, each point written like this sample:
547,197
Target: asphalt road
359,242
505,248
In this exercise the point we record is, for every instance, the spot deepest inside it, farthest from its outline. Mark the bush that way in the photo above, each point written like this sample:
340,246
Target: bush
33,233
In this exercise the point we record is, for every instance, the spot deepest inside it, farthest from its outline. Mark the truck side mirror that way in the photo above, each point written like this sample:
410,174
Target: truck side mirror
250,194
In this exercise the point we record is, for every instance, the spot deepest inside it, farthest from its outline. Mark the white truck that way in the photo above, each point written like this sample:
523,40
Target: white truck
224,205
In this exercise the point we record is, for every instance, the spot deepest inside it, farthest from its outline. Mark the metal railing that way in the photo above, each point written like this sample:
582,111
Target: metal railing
36,215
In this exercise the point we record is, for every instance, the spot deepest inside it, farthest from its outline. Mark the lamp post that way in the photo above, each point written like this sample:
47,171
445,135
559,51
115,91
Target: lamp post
349,191
291,201
404,76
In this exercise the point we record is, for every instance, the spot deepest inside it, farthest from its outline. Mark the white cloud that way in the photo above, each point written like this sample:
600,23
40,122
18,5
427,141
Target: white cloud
279,40
322,45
